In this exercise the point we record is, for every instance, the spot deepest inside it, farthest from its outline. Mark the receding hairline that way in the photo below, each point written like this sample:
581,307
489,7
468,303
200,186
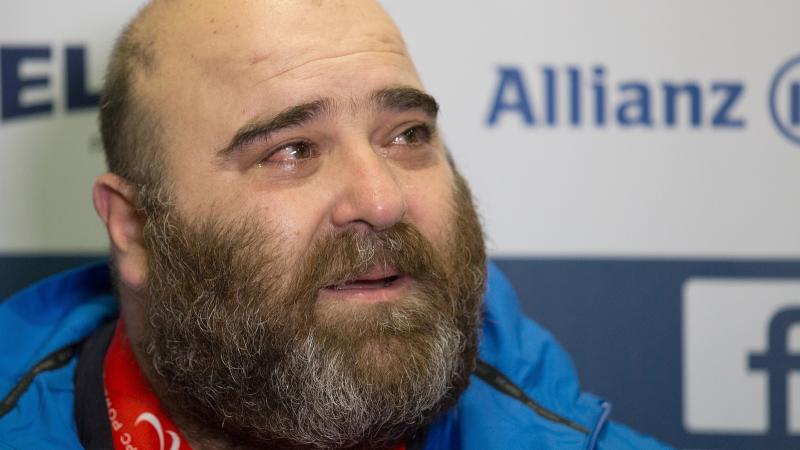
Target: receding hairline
138,39
127,121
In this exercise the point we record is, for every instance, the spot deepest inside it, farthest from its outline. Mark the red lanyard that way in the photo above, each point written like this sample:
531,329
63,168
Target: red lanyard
138,422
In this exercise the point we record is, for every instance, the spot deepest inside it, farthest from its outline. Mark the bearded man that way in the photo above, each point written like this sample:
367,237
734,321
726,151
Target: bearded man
296,261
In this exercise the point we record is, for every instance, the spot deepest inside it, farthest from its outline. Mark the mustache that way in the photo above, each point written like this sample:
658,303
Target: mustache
343,256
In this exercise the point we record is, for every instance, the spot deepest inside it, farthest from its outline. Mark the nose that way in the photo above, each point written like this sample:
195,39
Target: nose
367,191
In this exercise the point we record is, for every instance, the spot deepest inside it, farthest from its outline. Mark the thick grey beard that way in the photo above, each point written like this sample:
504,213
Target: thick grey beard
333,408
316,399
251,359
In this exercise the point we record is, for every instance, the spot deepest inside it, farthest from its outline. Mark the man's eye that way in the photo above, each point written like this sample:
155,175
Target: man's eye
416,135
293,152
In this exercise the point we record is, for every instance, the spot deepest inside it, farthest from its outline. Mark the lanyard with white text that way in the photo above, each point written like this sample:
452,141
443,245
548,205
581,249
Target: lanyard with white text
138,421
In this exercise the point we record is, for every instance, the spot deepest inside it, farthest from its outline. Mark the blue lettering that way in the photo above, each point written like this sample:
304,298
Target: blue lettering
570,92
511,82
794,103
11,59
777,362
730,93
638,104
671,92
574,95
551,93
599,96
75,75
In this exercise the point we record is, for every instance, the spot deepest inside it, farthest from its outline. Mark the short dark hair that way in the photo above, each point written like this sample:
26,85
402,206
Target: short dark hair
129,127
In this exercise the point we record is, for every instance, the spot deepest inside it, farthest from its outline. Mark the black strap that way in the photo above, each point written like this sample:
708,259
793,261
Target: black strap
91,412
55,360
497,380
417,442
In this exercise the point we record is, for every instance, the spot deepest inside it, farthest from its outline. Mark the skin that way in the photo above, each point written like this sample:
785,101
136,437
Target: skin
223,65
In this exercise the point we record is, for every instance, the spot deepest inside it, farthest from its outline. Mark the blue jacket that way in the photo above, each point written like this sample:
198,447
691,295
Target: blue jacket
547,411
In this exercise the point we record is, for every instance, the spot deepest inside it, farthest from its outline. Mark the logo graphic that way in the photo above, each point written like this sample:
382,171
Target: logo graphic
777,362
580,96
175,440
784,99
741,357
21,80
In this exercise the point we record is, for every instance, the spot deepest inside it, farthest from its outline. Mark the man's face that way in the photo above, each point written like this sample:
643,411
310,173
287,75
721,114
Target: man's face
316,268
349,161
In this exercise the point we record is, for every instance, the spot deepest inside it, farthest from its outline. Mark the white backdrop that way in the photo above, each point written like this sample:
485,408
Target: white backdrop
612,190
563,189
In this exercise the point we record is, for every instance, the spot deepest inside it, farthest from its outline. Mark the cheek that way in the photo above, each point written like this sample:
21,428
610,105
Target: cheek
430,204
294,217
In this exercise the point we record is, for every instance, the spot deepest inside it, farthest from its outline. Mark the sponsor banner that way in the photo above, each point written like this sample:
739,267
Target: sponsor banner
52,59
620,127
741,345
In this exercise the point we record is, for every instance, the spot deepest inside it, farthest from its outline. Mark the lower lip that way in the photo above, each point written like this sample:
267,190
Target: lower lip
393,291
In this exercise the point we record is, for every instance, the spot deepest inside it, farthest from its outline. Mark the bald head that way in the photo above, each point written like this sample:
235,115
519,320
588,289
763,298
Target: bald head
181,55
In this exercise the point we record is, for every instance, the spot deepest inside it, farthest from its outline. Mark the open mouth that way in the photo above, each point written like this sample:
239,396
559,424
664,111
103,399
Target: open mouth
366,283
378,284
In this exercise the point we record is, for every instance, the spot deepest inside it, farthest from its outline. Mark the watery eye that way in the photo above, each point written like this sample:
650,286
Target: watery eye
292,152
416,135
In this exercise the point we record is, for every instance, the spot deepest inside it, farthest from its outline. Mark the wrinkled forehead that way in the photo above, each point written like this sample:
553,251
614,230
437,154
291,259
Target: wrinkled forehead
278,35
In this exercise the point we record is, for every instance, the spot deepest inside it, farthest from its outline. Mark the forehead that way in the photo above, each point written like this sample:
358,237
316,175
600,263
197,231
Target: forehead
215,37
221,63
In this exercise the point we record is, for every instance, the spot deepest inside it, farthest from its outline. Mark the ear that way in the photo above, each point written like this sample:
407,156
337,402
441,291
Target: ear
114,200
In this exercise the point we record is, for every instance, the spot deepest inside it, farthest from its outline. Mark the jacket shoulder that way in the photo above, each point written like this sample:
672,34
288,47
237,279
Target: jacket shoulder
38,321
555,414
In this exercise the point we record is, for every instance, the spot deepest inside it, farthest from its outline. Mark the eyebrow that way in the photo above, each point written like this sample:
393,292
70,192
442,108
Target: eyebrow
394,98
405,98
288,118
